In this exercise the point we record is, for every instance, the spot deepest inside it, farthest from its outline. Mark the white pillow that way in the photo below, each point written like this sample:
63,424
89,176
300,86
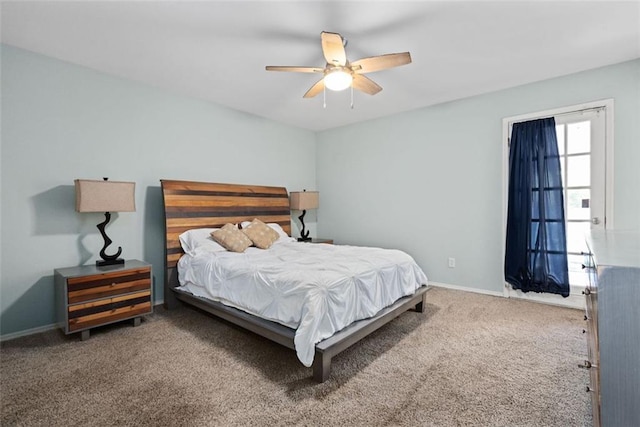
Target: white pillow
281,232
191,240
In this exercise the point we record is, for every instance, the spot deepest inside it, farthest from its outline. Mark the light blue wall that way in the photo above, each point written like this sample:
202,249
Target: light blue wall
61,122
430,181
427,181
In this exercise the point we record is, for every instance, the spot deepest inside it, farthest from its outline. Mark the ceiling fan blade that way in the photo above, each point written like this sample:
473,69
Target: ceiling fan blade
381,62
315,89
333,48
365,84
294,69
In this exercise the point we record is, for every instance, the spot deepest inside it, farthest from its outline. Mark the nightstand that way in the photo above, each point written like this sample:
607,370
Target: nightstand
88,296
318,240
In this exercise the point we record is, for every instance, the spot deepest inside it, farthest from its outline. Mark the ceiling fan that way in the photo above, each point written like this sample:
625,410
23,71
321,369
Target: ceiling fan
339,73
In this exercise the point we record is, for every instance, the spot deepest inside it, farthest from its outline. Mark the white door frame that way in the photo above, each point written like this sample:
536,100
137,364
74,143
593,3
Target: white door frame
574,300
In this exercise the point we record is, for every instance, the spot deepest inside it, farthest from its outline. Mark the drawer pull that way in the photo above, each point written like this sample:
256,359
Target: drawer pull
589,389
586,292
585,317
584,331
585,365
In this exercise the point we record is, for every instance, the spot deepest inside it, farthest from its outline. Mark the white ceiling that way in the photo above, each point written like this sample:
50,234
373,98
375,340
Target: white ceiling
217,50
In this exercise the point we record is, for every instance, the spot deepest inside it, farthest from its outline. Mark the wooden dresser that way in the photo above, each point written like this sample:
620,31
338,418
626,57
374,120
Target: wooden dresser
613,327
89,296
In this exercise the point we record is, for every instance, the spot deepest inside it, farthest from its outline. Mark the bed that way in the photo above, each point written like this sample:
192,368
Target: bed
190,205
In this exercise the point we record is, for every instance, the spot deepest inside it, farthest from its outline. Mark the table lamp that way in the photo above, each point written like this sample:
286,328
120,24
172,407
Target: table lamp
105,196
303,200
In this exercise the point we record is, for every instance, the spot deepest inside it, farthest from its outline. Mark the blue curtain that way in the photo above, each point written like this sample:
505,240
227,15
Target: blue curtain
536,247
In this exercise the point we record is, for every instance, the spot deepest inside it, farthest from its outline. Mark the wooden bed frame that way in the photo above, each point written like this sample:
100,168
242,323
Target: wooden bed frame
189,204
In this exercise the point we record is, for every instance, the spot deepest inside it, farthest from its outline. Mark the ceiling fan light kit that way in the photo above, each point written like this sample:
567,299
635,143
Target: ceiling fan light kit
339,73
337,79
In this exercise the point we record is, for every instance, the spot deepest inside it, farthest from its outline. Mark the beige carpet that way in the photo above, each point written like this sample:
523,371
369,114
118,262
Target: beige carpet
470,360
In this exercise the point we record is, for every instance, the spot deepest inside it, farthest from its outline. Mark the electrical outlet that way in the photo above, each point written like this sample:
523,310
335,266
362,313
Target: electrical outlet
452,262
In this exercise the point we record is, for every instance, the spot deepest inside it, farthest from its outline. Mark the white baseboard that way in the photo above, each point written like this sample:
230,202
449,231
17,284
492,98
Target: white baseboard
39,329
572,301
466,289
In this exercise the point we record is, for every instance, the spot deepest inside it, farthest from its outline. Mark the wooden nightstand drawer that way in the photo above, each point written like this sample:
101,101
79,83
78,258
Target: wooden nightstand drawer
86,288
90,296
82,316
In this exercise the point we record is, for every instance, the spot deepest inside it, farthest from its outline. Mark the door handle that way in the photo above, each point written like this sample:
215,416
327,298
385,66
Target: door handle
595,220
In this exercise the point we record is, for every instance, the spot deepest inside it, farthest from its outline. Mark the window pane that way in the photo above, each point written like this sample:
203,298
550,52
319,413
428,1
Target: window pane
579,137
560,136
576,232
577,276
578,204
575,262
579,171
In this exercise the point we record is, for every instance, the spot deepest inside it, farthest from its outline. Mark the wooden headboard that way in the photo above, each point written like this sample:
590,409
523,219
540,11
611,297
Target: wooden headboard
190,204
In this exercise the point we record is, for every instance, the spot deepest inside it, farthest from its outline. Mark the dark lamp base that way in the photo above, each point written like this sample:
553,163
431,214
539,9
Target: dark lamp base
304,239
103,263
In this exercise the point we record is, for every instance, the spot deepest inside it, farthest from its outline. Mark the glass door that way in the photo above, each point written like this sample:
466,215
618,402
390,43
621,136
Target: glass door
581,144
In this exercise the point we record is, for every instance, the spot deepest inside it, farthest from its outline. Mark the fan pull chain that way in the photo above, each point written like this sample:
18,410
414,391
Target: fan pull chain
324,97
352,97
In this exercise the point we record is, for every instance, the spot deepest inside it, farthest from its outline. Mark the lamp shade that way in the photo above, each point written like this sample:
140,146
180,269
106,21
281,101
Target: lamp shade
105,196
302,200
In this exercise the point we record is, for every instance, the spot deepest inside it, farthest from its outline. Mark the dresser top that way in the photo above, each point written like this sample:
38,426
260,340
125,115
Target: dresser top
618,248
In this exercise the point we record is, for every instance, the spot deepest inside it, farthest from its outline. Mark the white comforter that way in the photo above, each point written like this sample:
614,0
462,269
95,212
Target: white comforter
316,289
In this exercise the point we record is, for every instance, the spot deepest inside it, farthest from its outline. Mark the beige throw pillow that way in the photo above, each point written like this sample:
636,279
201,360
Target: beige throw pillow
231,238
261,234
